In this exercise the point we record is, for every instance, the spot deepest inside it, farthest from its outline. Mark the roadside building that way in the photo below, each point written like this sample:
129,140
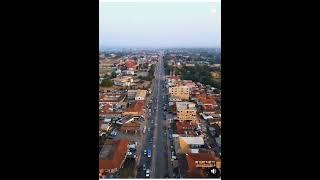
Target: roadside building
186,111
188,143
141,95
123,81
135,109
112,156
181,92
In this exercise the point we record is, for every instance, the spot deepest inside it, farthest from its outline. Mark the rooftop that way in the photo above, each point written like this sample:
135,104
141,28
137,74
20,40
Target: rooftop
136,106
111,97
193,140
185,106
141,93
112,153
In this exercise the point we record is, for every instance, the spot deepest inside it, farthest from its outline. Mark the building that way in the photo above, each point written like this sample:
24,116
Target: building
188,143
131,65
131,127
111,99
132,93
205,159
197,164
174,99
135,109
123,81
112,156
105,126
141,95
186,111
185,128
181,92
215,75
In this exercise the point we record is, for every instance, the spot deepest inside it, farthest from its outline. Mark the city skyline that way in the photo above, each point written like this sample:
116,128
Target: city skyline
142,24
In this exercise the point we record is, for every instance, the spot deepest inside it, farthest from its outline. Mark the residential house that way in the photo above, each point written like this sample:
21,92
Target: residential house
123,81
141,95
112,99
131,127
135,109
131,65
112,156
188,143
185,128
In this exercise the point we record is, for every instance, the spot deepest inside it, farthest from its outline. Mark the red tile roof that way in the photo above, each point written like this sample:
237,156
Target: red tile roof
131,64
206,100
185,125
208,108
113,153
136,106
104,109
201,156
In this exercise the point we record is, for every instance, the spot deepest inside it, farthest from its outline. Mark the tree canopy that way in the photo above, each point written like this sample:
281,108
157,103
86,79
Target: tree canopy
106,82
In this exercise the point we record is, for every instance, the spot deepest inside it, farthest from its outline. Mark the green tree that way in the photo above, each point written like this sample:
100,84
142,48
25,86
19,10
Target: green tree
106,83
113,74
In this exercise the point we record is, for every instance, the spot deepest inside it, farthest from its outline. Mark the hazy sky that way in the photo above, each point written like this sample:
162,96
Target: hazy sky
163,24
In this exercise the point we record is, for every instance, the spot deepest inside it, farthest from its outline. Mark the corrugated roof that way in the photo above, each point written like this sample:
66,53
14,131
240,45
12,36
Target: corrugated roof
193,140
113,153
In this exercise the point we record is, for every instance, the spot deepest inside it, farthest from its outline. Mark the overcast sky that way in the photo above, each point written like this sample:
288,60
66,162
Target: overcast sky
159,24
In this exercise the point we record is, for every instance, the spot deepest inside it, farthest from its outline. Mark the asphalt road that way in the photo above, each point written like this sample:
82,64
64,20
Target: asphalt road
155,138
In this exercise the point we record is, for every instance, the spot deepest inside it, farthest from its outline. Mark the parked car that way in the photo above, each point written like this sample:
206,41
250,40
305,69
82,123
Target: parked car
148,173
144,167
145,152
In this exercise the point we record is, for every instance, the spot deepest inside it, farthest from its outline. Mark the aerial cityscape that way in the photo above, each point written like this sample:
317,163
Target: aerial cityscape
159,98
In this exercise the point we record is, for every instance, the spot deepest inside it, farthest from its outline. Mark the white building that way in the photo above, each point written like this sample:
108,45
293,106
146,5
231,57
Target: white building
141,95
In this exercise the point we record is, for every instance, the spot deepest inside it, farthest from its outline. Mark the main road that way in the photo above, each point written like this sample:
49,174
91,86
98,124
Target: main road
156,137
160,152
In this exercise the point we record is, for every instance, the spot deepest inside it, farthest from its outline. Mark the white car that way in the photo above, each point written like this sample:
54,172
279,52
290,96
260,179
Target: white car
148,173
145,152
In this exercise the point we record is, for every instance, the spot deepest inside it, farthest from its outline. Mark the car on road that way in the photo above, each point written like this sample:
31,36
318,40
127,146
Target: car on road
144,167
149,153
148,173
145,152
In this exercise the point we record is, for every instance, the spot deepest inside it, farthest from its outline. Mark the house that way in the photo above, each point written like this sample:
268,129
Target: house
135,109
123,81
131,127
195,165
209,110
188,143
202,159
185,128
131,65
105,126
111,99
188,171
141,95
186,111
112,156
132,93
206,100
